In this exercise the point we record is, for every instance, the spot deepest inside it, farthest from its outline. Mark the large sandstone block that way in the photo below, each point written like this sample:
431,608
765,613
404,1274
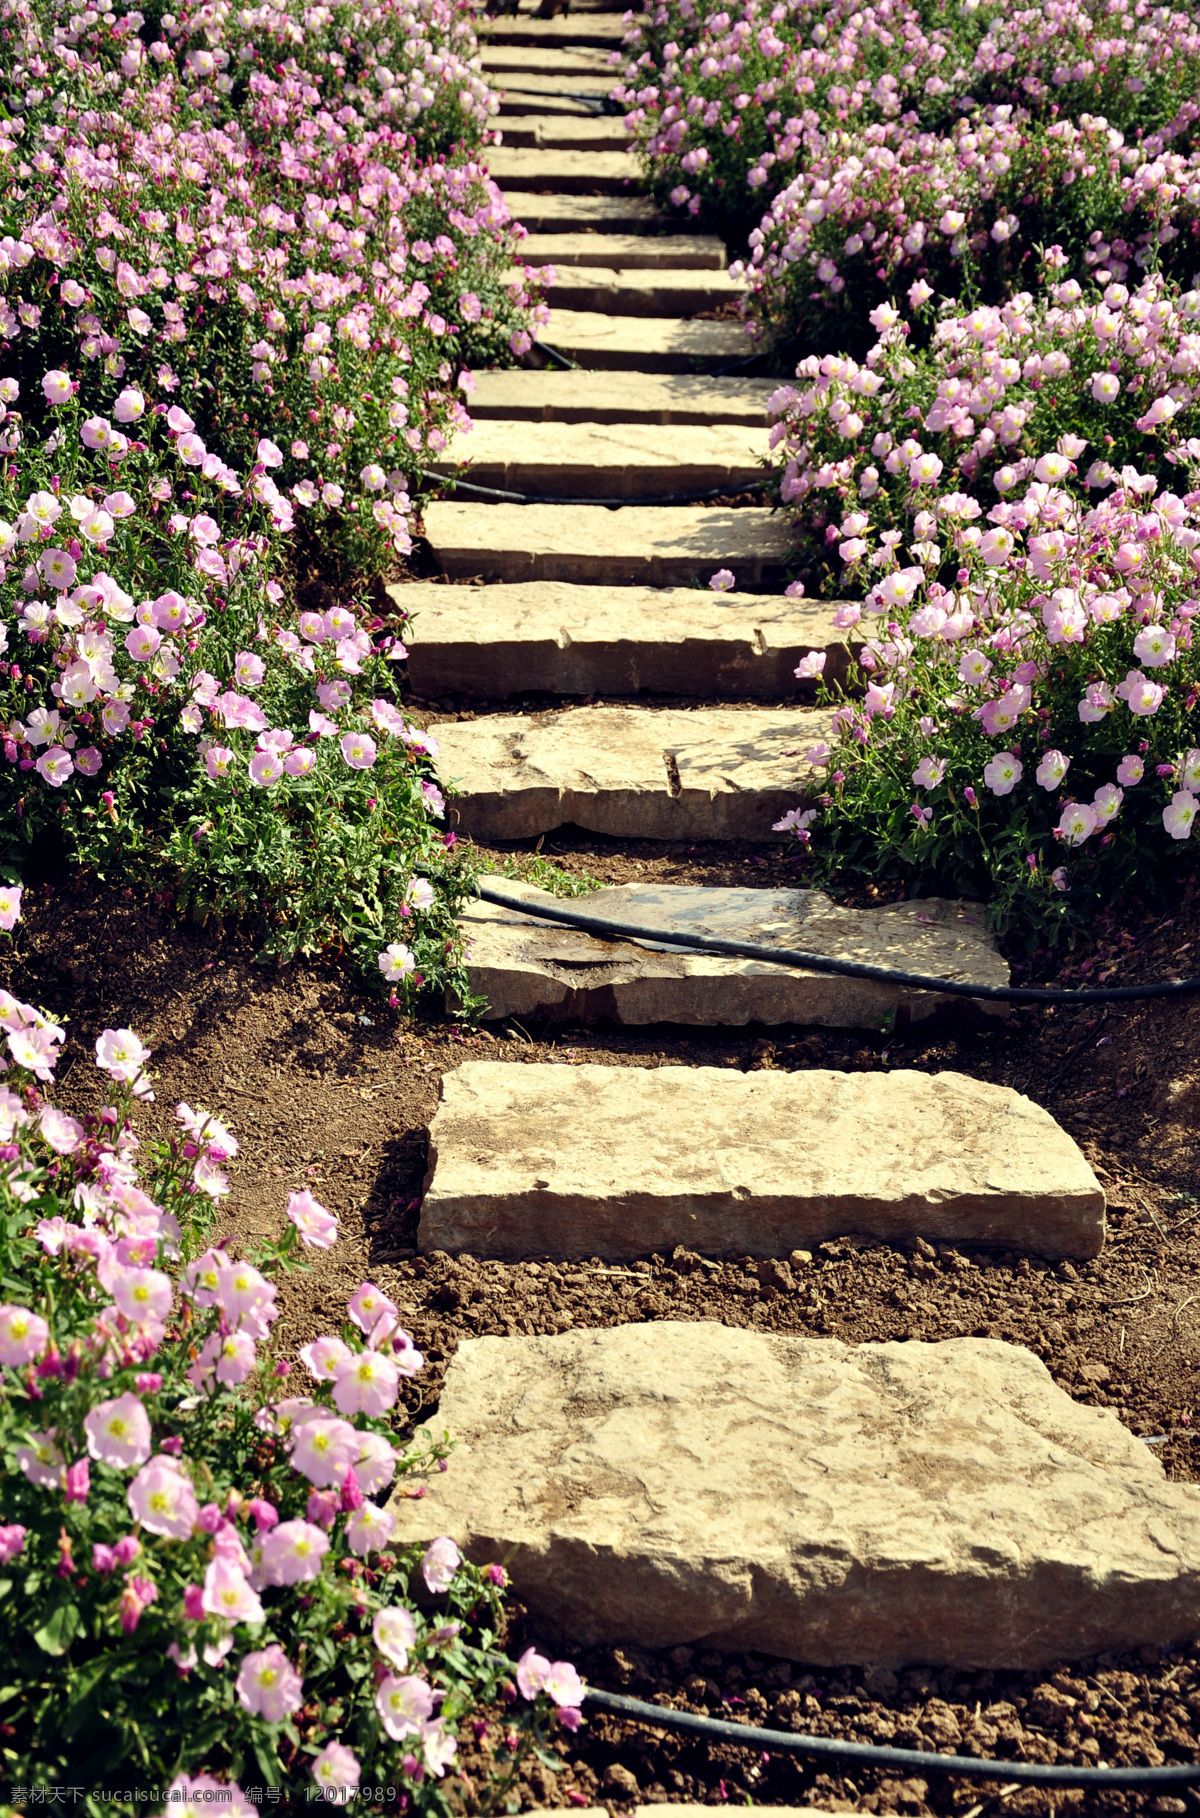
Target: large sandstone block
604,214
633,343
567,639
548,394
570,1161
587,172
638,292
654,545
893,1504
605,460
569,132
601,28
526,967
548,60
662,773
621,252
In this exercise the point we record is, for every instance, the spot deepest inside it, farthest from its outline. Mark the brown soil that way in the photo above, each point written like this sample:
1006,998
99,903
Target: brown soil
325,1086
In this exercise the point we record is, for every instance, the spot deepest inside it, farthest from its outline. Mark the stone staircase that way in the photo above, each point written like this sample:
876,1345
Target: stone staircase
675,1482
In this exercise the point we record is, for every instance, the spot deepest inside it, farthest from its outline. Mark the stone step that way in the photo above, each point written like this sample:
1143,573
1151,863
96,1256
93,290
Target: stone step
558,638
519,106
526,967
684,1482
548,60
603,28
633,772
626,252
587,173
596,132
617,1162
655,343
647,545
549,395
605,460
643,292
604,214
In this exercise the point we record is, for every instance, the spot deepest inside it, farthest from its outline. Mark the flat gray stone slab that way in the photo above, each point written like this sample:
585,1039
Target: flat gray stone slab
894,1504
605,29
606,460
567,639
650,545
568,132
617,1162
635,772
606,214
641,292
627,252
550,395
585,172
631,343
527,967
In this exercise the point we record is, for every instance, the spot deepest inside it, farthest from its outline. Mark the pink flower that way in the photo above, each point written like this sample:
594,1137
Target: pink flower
1077,823
359,750
120,1054
41,1460
336,1768
265,769
77,1481
396,962
564,1685
438,1748
269,454
137,1596
57,387
532,1671
324,1357
292,1553
441,1561
369,1529
1003,773
1052,769
12,1542
268,1685
299,762
1130,771
162,1500
10,907
228,1594
375,1465
55,766
142,1295
1142,696
118,1432
395,1632
723,580
317,1227
403,1704
367,1304
366,1384
217,761
1180,812
23,1336
323,1450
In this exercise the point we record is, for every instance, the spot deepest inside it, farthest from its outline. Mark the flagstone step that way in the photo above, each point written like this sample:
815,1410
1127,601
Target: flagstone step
589,173
607,29
899,1504
626,252
648,545
654,343
641,292
517,105
595,132
559,638
526,967
633,772
605,460
606,214
549,395
549,60
617,1162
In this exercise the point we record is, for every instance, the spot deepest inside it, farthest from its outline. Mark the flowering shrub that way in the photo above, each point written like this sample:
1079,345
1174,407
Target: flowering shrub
254,237
1028,732
197,1564
1063,390
167,717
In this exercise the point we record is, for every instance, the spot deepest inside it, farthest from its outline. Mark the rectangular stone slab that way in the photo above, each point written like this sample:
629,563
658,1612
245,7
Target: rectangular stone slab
618,1162
517,106
526,967
606,214
538,85
651,545
605,460
589,173
639,292
649,343
566,639
626,252
548,60
895,1504
571,132
634,772
605,29
549,395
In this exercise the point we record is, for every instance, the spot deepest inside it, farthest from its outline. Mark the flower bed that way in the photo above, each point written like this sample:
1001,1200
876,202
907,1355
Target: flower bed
198,1569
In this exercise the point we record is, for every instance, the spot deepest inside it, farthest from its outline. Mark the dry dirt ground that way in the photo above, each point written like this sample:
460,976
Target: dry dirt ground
327,1087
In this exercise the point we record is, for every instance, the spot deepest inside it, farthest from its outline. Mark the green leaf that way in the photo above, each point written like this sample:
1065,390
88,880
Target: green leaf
59,1629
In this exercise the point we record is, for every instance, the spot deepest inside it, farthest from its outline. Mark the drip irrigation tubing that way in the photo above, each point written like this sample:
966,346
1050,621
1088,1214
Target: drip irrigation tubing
531,498
607,929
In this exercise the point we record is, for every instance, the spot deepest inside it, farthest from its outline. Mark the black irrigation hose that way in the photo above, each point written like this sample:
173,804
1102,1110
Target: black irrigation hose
843,968
870,1754
531,498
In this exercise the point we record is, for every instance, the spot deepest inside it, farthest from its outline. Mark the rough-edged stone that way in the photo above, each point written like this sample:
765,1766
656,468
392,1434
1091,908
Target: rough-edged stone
606,214
539,88
527,967
586,172
650,545
626,252
605,460
604,29
550,395
889,1504
638,292
548,60
634,343
636,773
618,1162
562,638
569,132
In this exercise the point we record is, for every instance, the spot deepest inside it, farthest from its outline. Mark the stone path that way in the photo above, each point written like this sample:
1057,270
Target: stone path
677,1483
